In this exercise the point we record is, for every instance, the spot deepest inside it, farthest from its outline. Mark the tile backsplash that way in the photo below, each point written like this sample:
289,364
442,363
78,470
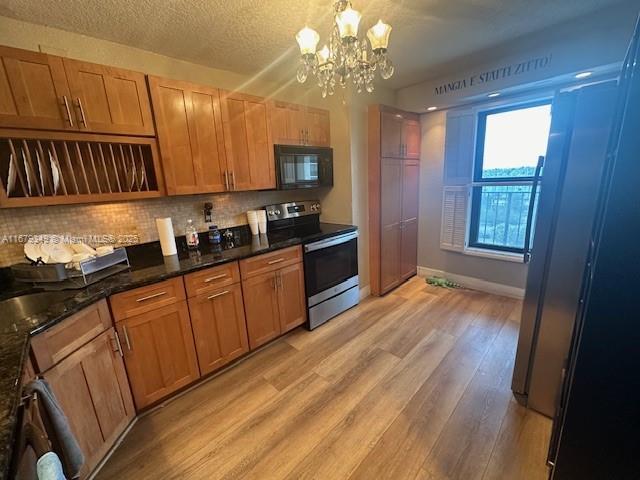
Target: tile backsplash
133,219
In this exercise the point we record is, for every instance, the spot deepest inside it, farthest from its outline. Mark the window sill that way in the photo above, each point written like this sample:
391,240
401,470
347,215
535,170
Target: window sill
494,254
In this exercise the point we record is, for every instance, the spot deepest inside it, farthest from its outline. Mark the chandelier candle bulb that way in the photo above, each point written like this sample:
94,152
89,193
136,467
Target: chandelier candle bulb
348,21
323,55
378,36
308,40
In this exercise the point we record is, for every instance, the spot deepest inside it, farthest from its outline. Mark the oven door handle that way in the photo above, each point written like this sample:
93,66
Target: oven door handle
330,242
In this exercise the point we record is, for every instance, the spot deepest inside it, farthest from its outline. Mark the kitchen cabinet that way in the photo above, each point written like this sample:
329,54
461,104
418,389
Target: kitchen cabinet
391,223
108,99
293,124
190,133
92,389
399,134
274,294
159,352
261,308
219,327
248,144
409,222
291,297
394,175
34,92
40,91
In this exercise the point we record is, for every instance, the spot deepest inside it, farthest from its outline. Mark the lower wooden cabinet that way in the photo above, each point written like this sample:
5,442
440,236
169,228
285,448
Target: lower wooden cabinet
159,352
291,297
274,303
92,389
261,307
219,328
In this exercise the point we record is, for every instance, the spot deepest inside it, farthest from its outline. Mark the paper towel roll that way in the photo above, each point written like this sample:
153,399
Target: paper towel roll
167,238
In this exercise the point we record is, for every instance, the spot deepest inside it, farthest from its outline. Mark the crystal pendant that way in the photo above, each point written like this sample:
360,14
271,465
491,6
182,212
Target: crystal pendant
302,73
386,69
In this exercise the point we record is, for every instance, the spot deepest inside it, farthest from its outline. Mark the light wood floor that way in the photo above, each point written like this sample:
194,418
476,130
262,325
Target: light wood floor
414,385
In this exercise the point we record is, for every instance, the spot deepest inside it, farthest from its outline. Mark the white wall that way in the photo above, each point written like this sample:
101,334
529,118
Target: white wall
430,255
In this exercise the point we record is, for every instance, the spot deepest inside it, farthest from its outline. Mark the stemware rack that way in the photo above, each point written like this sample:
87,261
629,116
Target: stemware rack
48,168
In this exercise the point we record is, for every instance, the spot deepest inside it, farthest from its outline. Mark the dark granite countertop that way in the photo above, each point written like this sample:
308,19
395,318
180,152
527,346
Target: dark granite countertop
147,266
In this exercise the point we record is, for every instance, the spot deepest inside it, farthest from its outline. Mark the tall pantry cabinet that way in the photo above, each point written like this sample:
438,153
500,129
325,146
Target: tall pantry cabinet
394,170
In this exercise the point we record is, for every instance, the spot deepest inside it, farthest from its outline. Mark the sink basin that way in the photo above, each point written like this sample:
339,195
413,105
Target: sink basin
24,306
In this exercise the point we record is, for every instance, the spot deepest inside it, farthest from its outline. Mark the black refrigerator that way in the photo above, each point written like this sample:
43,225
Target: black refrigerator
582,119
596,434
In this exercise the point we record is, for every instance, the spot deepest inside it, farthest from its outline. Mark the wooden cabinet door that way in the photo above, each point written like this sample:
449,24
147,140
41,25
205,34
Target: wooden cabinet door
261,307
318,127
287,122
391,135
411,137
248,143
219,327
159,352
190,133
409,240
33,91
291,297
108,99
390,223
92,389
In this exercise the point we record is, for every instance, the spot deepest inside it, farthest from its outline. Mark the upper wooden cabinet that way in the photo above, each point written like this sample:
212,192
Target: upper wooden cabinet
108,99
41,91
400,134
248,144
34,92
293,124
191,138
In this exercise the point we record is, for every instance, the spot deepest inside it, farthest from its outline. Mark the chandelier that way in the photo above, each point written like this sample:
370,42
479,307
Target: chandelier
346,56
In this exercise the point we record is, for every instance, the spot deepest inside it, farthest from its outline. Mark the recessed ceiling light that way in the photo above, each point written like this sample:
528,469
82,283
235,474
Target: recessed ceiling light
494,94
431,109
584,74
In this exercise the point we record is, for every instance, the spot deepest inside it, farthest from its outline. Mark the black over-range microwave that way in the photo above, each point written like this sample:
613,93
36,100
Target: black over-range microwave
303,167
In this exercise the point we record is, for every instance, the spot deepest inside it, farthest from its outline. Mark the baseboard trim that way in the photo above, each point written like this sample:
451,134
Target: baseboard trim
474,283
365,292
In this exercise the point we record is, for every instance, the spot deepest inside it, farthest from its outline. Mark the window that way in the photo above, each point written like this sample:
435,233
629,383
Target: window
510,142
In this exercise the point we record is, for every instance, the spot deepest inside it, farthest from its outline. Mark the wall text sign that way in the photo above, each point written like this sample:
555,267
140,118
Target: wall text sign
489,76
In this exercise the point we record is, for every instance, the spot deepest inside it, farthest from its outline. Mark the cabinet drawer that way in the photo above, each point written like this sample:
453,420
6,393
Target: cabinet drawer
270,262
210,279
58,342
145,299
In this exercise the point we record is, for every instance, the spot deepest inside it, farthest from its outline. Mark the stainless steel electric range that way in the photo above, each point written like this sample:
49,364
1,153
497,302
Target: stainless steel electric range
330,257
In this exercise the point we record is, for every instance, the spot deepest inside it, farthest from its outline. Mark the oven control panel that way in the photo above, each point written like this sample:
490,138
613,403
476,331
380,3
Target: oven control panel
283,211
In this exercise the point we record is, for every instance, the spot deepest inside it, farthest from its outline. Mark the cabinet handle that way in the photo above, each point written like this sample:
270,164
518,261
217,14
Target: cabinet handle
118,344
274,283
215,277
211,297
149,297
233,180
126,337
278,260
226,180
308,142
66,106
83,119
301,136
279,277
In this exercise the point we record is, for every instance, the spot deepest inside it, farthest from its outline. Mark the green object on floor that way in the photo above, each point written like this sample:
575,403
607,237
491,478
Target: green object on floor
441,282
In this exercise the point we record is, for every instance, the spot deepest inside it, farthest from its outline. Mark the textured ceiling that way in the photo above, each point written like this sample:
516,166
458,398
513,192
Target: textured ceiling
252,36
